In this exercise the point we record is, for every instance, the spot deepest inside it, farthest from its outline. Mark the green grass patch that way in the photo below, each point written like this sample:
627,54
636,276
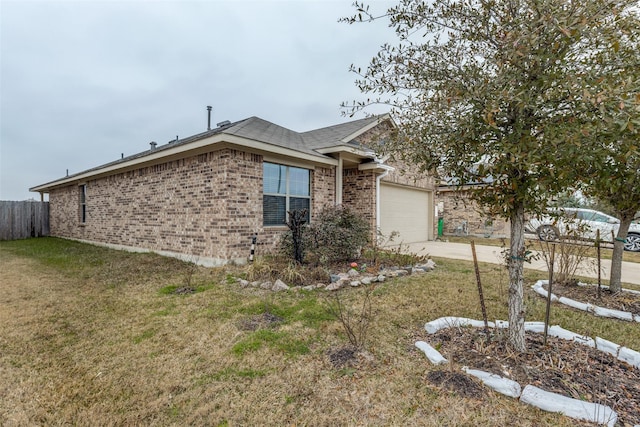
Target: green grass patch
278,340
168,310
145,335
306,308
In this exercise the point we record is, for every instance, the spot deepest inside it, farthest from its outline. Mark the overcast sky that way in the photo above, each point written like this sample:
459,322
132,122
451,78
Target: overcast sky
83,81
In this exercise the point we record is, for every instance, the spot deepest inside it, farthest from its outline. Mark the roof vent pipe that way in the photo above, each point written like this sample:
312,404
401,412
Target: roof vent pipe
209,117
153,145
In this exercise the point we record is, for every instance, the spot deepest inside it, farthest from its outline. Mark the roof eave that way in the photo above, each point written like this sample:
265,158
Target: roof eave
343,148
376,167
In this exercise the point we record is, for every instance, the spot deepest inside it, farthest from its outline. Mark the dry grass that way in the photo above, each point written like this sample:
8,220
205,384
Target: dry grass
95,337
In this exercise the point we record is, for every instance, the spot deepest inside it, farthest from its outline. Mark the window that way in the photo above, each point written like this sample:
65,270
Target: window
83,203
285,188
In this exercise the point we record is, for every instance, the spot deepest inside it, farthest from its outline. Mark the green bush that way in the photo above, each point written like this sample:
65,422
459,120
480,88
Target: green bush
336,234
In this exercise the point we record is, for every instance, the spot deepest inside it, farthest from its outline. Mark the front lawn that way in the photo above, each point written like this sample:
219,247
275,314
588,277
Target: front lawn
92,336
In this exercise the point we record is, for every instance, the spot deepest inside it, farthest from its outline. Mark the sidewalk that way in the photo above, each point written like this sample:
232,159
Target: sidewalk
493,254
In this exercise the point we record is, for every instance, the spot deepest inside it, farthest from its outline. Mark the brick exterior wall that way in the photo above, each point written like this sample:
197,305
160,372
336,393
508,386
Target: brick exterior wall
458,208
323,189
206,206
359,193
405,174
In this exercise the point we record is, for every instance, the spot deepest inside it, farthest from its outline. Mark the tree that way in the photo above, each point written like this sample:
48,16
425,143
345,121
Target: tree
490,91
612,134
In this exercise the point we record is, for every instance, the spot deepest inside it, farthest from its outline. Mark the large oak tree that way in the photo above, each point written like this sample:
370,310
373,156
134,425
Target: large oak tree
493,91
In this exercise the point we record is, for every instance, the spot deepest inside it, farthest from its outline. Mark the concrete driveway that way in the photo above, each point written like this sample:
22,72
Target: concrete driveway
493,254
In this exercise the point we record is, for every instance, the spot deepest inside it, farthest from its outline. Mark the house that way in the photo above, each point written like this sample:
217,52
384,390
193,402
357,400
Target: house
203,198
460,215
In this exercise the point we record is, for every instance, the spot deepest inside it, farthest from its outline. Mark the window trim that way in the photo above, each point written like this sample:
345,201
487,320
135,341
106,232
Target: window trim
287,194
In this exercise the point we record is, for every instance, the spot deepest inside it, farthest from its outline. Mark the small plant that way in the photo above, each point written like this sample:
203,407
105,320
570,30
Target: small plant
355,322
571,255
385,253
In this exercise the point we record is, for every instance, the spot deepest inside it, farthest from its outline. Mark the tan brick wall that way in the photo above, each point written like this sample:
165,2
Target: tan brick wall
405,174
458,207
323,189
64,212
205,206
359,193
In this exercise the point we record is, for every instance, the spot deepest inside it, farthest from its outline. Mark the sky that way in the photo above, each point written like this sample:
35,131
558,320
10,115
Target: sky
83,82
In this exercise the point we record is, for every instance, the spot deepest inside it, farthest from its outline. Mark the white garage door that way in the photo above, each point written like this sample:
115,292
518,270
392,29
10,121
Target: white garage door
405,210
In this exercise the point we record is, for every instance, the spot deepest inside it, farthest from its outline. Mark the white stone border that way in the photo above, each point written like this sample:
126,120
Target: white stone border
594,309
548,401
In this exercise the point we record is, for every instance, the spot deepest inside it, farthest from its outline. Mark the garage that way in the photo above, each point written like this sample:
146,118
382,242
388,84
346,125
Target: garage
407,210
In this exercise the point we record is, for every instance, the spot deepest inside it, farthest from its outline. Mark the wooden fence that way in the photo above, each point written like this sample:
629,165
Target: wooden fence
20,220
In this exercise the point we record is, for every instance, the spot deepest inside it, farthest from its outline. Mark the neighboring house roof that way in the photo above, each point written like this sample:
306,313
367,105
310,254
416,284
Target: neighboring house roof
316,144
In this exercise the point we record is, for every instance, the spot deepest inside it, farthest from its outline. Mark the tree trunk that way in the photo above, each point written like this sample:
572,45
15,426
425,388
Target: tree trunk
615,279
515,263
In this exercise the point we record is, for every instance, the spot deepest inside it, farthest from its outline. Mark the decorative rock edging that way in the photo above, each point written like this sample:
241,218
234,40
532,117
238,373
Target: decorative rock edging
594,309
551,402
351,278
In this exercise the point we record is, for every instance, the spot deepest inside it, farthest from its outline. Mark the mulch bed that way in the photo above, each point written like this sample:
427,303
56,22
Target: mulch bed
625,301
563,367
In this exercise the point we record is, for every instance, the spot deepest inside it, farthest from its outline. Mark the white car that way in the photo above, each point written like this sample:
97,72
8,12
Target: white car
583,223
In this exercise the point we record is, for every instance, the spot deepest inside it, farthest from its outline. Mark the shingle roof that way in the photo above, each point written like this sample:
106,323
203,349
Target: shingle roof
334,135
257,129
261,130
307,142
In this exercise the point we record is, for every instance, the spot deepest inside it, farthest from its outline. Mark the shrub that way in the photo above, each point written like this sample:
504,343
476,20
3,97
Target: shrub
338,234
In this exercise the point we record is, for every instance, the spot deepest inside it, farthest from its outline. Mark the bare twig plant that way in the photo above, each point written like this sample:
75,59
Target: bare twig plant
571,256
355,321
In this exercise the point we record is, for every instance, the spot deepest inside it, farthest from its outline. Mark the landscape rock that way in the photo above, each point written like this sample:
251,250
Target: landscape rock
266,285
353,273
381,278
334,278
334,286
366,280
279,285
355,283
401,273
243,283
